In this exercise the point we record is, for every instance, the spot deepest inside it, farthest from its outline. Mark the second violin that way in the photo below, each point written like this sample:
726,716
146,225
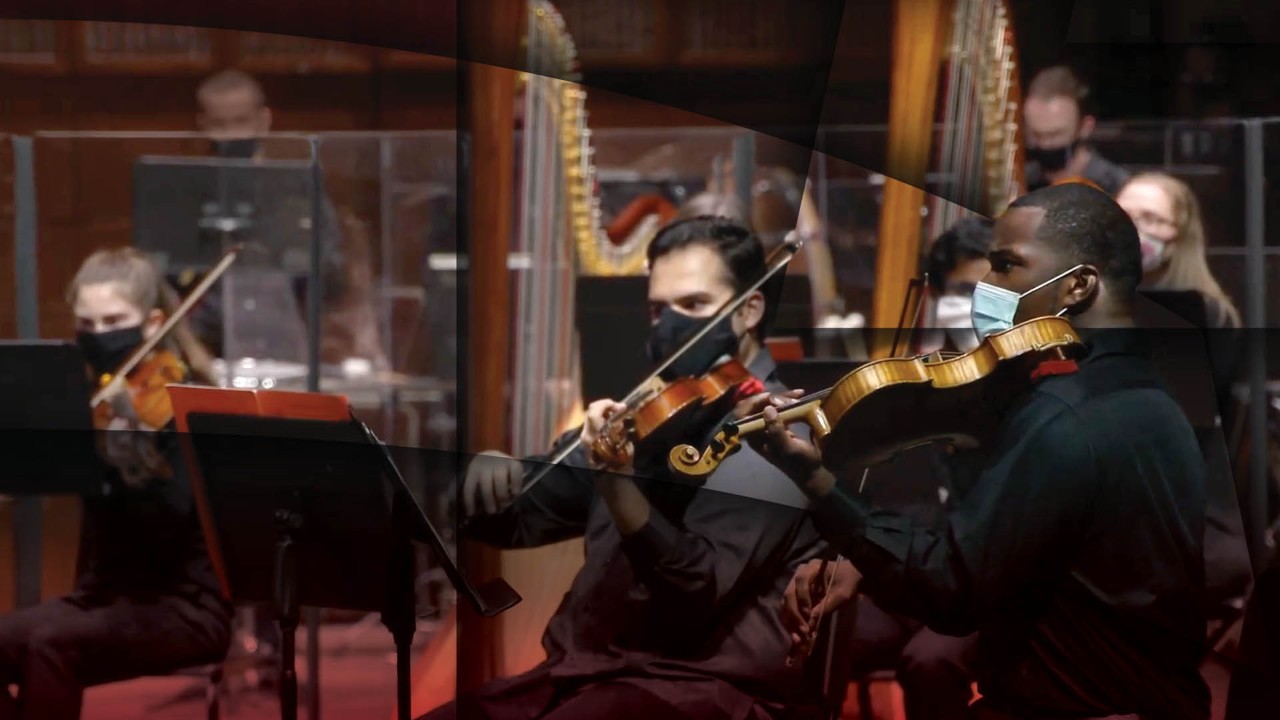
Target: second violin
889,405
668,415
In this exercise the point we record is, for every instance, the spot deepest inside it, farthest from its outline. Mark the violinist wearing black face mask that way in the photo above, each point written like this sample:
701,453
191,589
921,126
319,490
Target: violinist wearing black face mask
671,331
674,612
1059,121
146,599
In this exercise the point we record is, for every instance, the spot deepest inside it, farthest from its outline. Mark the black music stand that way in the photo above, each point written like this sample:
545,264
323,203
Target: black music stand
187,210
46,427
327,496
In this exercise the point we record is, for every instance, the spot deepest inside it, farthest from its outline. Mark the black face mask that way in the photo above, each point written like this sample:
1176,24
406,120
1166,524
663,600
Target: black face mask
1052,159
107,351
243,148
674,328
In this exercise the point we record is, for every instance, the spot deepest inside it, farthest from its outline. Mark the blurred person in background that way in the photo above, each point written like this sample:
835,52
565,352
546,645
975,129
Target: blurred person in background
234,114
1059,118
1171,230
957,261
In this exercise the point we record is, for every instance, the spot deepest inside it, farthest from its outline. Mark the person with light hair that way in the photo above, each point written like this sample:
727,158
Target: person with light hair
1171,231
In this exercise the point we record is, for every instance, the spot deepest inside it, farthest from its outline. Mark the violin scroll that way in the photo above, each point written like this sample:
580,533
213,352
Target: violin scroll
687,462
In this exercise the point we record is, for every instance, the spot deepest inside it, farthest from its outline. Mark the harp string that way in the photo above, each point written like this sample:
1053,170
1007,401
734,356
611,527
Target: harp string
546,383
978,158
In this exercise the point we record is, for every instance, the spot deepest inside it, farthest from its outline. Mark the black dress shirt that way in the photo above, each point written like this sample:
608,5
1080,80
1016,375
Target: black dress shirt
1076,554
687,607
146,542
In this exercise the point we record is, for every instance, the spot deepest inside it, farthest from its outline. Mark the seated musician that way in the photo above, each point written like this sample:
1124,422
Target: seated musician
1077,554
957,261
674,613
147,601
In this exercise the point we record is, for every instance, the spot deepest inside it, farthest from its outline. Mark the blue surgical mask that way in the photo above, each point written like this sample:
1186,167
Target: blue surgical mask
994,308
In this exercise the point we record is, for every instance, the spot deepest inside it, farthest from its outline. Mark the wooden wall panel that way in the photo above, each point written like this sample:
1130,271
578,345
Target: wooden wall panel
36,47
416,100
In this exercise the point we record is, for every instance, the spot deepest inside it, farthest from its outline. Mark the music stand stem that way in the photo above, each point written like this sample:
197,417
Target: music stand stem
286,606
400,617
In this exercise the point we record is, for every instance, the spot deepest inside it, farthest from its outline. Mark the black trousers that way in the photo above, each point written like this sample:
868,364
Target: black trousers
54,650
934,670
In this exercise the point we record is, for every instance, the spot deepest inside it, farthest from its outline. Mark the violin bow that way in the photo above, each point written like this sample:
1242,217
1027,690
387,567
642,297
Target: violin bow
778,259
922,284
919,283
169,324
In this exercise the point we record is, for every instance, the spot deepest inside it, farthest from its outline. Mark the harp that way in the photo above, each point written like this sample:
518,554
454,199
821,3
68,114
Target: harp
560,232
970,46
557,235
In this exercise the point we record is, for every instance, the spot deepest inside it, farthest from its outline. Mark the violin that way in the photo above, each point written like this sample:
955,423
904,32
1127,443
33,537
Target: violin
136,393
147,399
672,404
887,406
667,414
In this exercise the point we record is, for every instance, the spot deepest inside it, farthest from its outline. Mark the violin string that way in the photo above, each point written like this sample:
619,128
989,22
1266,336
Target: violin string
865,472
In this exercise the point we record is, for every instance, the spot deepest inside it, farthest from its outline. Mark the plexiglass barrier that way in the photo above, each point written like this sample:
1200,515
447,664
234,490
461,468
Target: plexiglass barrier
376,206
389,203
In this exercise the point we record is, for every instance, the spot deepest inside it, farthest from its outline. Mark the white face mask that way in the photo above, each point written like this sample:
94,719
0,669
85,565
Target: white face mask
994,308
1154,253
955,315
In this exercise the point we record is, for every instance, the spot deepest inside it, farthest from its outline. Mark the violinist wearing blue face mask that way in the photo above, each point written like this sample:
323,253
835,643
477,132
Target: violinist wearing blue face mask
1077,553
994,308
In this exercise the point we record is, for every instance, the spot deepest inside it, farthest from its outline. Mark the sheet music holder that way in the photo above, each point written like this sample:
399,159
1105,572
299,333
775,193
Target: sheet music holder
297,473
186,208
46,427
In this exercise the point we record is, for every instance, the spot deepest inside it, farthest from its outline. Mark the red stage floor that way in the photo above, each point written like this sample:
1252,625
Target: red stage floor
358,681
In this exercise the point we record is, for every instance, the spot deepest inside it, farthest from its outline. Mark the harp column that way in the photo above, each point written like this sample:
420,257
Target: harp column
918,36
